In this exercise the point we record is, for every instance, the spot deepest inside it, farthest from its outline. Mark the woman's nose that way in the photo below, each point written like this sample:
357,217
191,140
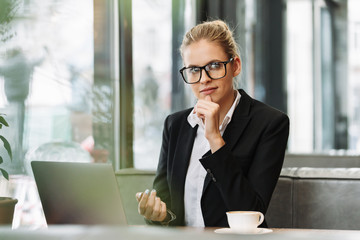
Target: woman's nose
204,77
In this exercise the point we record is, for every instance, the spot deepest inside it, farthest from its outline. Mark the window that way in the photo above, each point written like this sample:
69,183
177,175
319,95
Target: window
48,90
155,73
152,63
47,74
322,63
300,75
354,74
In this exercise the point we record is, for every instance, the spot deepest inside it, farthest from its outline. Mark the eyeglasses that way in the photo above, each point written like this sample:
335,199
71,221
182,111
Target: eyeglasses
214,70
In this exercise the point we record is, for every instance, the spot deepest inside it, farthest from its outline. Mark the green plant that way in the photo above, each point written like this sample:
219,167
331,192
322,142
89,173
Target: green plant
6,145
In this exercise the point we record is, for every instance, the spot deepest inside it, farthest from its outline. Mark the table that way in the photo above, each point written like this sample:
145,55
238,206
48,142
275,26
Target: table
77,232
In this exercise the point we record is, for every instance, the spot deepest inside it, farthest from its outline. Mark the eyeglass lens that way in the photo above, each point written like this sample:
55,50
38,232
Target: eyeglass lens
214,70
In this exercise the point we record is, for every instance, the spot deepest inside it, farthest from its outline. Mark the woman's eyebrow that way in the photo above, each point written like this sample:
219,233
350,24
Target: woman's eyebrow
191,65
211,61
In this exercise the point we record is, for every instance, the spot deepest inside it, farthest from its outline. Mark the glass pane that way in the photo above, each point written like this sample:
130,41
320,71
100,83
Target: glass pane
46,79
152,46
354,74
300,74
322,76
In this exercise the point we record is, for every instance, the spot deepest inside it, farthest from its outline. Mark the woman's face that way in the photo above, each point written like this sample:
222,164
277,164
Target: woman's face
220,90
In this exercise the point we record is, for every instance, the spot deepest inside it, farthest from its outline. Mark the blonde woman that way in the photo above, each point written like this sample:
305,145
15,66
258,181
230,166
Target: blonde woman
226,152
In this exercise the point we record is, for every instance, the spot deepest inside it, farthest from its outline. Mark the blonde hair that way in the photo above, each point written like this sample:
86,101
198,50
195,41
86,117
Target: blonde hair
213,31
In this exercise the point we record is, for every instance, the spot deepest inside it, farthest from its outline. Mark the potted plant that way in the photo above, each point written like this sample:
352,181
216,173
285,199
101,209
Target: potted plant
7,205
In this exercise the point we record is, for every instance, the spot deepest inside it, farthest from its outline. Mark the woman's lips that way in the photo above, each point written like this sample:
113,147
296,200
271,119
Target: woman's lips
208,91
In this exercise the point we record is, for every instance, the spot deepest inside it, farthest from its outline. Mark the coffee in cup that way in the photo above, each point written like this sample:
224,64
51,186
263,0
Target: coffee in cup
244,221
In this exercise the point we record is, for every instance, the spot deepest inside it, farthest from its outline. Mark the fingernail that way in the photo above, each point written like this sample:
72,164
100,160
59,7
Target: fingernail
154,190
147,191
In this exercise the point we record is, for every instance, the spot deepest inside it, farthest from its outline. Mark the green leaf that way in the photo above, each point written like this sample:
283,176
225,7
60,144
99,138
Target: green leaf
3,121
6,146
5,174
1,160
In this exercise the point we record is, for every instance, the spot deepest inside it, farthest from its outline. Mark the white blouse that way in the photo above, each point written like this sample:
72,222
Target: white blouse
196,173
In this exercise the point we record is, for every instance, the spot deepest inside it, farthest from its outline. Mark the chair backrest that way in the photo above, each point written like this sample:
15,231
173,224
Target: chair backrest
317,198
323,198
130,182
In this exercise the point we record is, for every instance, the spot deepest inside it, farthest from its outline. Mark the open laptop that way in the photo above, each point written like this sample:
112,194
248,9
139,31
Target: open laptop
79,193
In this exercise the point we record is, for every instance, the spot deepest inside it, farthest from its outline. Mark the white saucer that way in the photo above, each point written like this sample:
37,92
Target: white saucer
232,231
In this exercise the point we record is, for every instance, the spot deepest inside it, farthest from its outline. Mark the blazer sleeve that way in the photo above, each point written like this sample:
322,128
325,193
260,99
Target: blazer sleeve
160,181
251,190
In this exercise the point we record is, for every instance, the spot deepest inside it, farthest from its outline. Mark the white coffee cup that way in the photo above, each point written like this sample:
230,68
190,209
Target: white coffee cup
244,221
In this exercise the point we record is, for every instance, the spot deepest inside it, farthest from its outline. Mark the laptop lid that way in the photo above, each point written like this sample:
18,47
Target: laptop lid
79,193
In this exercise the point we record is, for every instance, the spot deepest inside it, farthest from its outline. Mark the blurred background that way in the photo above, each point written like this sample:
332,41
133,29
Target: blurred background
100,76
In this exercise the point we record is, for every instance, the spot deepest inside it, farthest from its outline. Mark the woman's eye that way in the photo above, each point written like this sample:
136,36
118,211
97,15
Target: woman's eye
194,70
214,65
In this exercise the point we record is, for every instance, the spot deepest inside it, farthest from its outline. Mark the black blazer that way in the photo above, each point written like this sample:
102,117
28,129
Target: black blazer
240,176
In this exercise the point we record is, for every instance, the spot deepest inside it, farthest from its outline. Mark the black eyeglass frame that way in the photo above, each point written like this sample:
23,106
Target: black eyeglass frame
206,71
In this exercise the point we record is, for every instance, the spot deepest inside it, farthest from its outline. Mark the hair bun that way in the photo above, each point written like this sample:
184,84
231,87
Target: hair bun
213,31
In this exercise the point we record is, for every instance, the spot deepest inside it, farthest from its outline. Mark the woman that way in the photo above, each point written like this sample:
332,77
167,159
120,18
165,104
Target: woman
224,154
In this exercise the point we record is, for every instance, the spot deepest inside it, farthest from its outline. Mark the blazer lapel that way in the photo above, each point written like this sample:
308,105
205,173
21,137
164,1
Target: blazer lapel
239,120
238,123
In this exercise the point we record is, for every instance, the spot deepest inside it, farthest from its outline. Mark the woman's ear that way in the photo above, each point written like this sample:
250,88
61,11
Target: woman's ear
236,66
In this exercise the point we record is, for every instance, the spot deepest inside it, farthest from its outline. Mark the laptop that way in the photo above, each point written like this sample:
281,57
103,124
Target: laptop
79,193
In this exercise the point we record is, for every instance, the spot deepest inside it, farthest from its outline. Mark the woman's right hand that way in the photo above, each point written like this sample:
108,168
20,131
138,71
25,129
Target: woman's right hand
151,206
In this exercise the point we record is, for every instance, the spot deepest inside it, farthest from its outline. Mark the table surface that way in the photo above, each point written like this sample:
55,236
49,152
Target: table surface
77,232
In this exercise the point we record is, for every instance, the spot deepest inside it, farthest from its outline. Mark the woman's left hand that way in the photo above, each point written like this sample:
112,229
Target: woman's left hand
209,112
